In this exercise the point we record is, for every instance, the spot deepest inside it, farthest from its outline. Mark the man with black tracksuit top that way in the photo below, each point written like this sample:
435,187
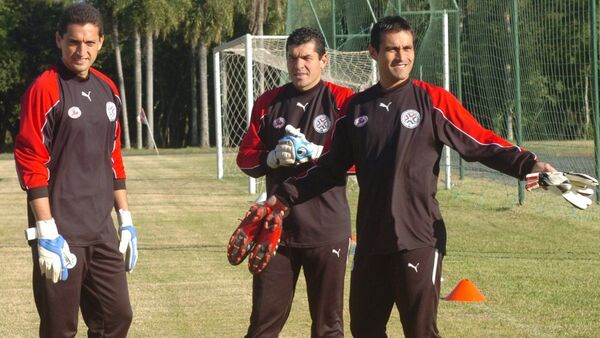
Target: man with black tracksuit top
316,235
394,133
68,159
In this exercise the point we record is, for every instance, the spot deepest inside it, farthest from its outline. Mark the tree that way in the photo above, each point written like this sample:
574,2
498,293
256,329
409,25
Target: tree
154,18
113,9
208,22
27,48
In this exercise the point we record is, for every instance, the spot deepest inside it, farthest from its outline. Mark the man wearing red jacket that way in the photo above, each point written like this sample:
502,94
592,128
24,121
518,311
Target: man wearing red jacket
316,235
68,159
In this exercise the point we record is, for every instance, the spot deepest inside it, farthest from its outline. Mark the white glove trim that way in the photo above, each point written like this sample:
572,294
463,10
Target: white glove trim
272,159
124,217
46,229
31,234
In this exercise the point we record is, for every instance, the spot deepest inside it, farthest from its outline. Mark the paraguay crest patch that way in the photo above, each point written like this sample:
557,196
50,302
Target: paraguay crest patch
410,118
278,123
321,124
111,111
361,121
74,112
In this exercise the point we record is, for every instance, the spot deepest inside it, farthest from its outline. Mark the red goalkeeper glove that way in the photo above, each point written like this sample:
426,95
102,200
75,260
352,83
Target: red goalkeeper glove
261,224
267,241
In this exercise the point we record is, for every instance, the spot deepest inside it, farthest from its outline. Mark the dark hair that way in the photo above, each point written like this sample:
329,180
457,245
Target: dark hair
389,24
304,35
82,14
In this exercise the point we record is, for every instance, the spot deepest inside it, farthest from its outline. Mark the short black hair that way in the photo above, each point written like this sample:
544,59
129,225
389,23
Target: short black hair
304,35
389,24
81,14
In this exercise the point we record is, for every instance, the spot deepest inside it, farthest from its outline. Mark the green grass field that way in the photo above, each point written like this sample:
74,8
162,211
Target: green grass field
537,264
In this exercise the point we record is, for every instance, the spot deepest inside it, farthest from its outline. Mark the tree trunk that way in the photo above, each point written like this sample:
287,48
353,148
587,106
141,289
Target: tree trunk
138,88
115,36
150,88
257,19
204,133
194,97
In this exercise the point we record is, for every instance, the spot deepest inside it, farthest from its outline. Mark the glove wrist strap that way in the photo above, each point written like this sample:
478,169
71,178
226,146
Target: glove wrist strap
124,217
46,229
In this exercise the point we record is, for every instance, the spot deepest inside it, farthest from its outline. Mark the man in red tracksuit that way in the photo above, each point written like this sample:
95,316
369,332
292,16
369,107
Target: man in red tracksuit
394,133
316,235
68,159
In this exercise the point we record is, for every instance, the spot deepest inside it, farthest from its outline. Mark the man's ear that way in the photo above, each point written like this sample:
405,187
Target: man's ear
58,40
372,52
324,60
101,41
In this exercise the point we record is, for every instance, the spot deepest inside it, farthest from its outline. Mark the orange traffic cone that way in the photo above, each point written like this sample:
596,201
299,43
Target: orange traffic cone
466,291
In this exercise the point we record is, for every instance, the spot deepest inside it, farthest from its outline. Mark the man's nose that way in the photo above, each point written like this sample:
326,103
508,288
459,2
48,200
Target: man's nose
81,48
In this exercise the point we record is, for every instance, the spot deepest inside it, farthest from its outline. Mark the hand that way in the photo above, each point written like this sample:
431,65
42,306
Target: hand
303,149
574,187
128,244
55,258
282,155
540,166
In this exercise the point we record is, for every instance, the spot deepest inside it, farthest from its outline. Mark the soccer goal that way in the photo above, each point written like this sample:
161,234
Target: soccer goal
248,66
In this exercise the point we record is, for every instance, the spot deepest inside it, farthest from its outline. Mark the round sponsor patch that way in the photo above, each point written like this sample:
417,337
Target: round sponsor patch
278,123
322,123
361,121
410,118
74,112
111,111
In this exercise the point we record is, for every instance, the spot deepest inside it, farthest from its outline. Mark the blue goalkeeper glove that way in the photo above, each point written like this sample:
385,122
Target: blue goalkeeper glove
55,258
128,244
303,149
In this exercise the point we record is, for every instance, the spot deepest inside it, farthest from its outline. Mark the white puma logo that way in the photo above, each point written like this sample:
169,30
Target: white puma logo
386,106
87,95
303,106
337,252
410,265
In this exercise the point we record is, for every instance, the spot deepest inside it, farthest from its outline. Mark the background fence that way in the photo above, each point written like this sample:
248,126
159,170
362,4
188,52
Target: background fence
525,69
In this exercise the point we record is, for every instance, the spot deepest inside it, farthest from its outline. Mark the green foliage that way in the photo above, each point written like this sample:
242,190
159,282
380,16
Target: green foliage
211,20
158,16
26,48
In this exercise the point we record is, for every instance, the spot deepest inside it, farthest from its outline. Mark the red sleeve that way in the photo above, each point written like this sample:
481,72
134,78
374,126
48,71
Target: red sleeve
462,119
117,158
460,130
252,155
31,145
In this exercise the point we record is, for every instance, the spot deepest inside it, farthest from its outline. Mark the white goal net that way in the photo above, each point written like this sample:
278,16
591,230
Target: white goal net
248,66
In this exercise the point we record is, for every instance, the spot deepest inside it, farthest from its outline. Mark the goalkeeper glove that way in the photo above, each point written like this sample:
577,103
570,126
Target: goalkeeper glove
243,238
265,248
268,237
55,258
574,187
128,243
282,155
302,148
257,235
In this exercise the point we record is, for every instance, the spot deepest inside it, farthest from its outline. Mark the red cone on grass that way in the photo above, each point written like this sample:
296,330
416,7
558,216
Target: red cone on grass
465,291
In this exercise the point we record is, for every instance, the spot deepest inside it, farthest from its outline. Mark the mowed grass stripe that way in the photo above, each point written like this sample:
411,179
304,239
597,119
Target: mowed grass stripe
537,264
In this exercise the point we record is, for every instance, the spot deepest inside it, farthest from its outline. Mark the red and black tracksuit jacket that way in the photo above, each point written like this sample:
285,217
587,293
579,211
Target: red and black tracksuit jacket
322,219
69,149
395,139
